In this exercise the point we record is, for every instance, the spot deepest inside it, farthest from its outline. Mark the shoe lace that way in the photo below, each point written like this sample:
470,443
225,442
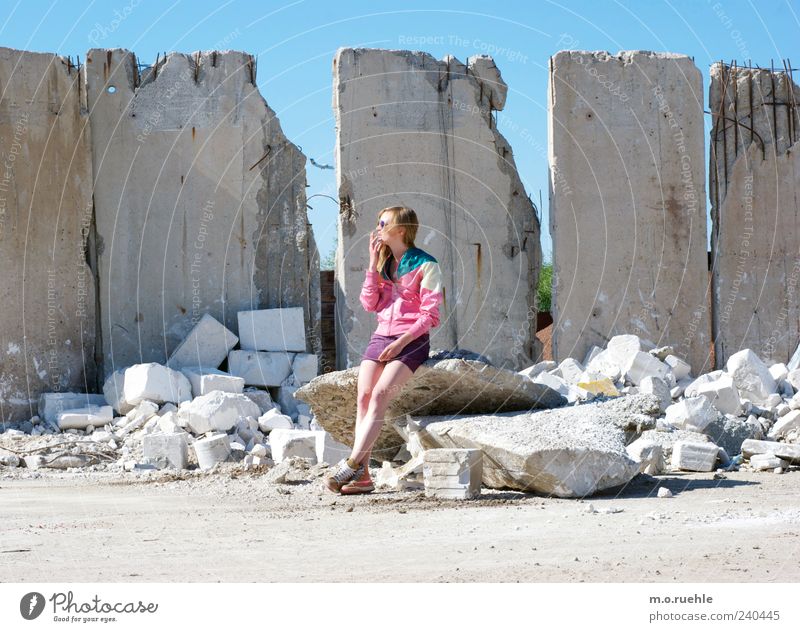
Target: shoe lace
344,472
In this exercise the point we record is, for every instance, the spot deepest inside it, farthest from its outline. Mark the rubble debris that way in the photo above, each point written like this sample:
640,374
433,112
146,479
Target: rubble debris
51,405
217,411
206,345
568,452
211,450
694,456
204,380
156,383
81,418
260,368
449,473
166,449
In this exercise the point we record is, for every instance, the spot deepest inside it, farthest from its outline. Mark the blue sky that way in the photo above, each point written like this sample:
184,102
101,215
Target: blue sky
295,42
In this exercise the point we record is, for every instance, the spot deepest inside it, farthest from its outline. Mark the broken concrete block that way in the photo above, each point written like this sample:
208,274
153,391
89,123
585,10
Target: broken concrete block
555,382
641,365
420,115
751,376
48,289
204,380
788,451
570,371
449,473
624,347
114,392
658,387
668,438
81,418
729,432
691,388
53,404
260,368
723,395
273,419
168,423
784,425
534,370
762,462
779,371
664,492
288,443
304,367
648,454
679,367
455,383
202,110
261,397
605,363
217,411
212,450
156,383
206,345
694,457
569,452
166,450
279,329
692,413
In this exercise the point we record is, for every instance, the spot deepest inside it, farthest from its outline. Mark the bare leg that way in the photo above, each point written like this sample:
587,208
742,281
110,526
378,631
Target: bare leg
389,385
368,374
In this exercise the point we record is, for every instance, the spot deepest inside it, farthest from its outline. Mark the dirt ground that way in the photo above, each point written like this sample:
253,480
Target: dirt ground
236,526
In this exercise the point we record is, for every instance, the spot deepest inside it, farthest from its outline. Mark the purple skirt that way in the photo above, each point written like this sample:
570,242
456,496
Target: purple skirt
412,355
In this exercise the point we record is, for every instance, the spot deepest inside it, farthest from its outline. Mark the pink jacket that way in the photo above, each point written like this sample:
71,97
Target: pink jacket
412,303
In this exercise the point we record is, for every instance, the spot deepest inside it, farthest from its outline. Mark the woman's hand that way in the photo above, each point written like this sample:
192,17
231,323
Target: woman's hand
375,243
392,350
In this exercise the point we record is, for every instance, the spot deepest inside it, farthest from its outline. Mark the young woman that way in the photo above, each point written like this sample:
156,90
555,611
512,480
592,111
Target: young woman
403,286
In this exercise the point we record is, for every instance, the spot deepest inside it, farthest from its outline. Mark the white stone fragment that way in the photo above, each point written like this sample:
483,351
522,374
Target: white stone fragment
212,450
279,329
751,376
217,411
605,363
664,492
81,418
691,388
679,367
51,405
792,377
591,354
304,367
452,473
156,383
778,371
784,425
723,395
694,457
658,387
641,364
166,449
316,445
207,345
274,419
648,454
624,348
205,380
260,368
540,367
114,392
692,413
571,371
767,462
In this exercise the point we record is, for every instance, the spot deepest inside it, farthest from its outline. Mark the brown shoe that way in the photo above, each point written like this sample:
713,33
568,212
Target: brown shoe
340,475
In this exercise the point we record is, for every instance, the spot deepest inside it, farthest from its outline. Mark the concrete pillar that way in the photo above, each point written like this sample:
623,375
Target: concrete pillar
755,187
419,132
627,202
47,297
200,202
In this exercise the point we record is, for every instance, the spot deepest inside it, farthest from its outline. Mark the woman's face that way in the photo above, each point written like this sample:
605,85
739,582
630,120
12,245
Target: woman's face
389,233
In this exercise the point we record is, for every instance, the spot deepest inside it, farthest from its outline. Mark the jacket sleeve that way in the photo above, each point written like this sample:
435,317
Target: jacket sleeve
370,291
431,295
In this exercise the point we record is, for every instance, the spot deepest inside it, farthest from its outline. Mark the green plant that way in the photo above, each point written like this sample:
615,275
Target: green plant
544,292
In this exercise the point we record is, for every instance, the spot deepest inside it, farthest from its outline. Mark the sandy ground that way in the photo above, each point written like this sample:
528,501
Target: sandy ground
236,526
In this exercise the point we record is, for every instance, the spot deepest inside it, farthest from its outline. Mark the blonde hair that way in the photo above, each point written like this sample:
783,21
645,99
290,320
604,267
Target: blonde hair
401,216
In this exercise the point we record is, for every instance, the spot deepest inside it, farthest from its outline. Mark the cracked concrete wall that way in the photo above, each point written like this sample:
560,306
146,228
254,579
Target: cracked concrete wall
200,202
627,202
419,132
753,180
47,322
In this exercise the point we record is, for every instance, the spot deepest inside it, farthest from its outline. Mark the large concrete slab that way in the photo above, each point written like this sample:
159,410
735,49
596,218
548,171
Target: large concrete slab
47,298
419,132
627,202
754,176
200,202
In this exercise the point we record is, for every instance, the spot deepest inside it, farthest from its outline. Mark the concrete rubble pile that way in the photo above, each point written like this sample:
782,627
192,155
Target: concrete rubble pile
153,416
